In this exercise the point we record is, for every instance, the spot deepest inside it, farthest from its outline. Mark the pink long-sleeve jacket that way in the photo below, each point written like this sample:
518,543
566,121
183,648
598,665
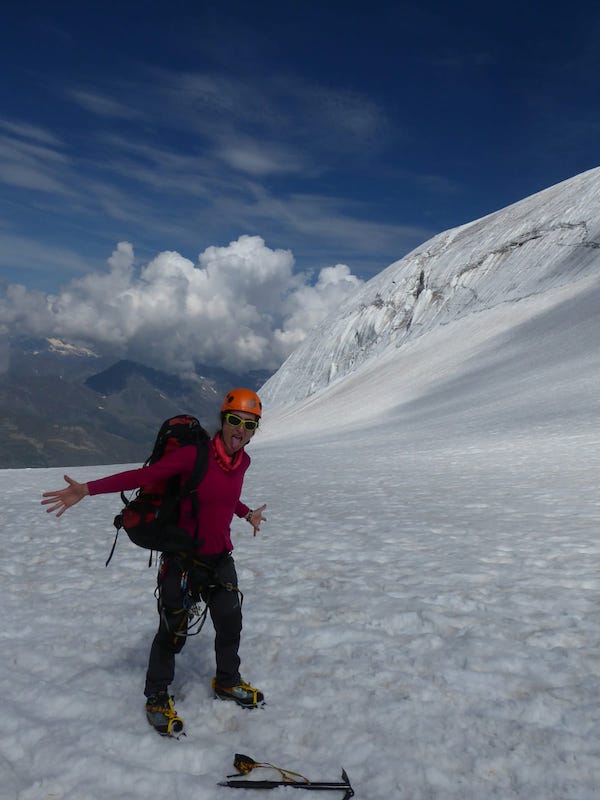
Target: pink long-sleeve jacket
218,494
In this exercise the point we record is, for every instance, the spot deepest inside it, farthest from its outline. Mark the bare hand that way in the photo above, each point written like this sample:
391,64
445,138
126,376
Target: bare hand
256,517
61,499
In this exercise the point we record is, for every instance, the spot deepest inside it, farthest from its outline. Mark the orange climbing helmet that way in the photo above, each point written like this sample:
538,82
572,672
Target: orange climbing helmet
242,400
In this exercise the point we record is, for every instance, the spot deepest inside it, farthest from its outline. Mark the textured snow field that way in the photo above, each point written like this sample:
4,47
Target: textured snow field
421,611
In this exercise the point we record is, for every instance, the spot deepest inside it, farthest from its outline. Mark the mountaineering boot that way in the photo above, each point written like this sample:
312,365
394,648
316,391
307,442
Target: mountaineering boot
243,694
162,715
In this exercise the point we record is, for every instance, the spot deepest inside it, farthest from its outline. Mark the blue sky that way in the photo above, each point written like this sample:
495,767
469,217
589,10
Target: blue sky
344,133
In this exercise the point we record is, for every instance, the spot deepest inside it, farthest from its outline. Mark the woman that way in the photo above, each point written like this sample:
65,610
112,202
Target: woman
209,572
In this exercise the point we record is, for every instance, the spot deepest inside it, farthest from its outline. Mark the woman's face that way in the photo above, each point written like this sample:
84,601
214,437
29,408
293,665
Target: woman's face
236,436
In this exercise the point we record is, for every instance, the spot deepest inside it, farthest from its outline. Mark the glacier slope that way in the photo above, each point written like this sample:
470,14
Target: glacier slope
517,367
544,243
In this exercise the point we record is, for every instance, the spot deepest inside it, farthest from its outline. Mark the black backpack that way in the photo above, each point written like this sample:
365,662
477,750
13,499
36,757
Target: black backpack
150,518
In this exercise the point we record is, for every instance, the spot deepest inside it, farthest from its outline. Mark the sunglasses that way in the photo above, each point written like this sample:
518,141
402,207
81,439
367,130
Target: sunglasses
235,422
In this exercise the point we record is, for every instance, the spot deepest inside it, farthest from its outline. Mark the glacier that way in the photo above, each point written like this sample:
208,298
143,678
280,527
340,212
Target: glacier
535,253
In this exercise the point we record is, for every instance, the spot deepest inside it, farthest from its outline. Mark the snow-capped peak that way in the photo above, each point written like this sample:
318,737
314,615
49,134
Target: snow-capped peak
67,349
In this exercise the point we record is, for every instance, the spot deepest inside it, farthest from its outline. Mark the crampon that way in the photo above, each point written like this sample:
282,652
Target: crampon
161,714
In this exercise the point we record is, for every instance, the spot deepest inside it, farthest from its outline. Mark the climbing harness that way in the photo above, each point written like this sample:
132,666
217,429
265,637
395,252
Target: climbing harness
195,601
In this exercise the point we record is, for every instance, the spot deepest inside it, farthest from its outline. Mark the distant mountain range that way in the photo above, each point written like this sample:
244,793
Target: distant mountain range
61,405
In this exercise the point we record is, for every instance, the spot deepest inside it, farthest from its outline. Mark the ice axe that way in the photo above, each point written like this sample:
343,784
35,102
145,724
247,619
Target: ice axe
245,764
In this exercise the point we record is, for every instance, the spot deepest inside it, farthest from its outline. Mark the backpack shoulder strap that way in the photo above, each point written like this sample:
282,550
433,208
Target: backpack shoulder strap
200,466
197,474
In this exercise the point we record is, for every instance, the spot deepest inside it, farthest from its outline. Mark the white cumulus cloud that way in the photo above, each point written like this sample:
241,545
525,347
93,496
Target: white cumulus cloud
240,307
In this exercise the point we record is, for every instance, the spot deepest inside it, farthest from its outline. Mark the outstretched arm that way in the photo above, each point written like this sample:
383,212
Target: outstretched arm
175,463
61,499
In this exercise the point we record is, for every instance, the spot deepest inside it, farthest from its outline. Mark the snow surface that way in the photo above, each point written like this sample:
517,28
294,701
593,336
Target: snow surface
423,613
421,608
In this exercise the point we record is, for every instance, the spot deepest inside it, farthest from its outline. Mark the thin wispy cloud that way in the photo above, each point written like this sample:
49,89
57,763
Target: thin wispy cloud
102,105
260,158
181,151
24,130
224,177
34,256
29,159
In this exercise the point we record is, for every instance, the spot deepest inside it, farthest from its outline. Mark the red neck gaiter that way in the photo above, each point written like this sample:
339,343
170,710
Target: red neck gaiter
226,462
